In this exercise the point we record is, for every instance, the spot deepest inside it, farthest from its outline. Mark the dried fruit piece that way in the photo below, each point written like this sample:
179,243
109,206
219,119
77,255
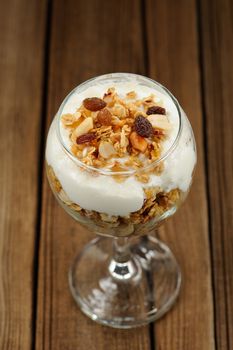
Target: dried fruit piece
86,138
106,149
138,142
156,110
159,121
143,126
162,199
104,117
83,128
94,104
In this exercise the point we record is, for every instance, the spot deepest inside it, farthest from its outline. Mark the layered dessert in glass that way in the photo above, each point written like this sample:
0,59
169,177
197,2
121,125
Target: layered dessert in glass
120,154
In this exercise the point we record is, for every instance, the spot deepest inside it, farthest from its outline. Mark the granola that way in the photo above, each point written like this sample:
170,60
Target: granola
118,134
156,203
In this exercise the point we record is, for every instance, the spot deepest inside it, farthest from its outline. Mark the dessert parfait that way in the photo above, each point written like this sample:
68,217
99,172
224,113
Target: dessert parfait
120,154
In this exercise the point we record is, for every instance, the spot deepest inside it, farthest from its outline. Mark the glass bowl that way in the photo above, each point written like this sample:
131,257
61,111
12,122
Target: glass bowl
125,277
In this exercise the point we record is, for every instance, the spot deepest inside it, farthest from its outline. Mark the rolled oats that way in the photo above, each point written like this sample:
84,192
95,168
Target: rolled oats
156,203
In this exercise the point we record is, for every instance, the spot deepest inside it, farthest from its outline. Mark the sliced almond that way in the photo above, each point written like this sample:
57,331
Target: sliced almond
159,121
83,128
109,97
138,142
106,149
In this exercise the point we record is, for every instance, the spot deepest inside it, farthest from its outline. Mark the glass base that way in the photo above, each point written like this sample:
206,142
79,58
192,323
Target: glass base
129,293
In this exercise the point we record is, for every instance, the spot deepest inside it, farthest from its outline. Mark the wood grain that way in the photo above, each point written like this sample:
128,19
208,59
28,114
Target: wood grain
173,60
22,25
86,40
216,35
187,48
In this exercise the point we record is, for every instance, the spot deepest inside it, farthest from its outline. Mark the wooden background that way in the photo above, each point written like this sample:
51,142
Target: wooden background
46,49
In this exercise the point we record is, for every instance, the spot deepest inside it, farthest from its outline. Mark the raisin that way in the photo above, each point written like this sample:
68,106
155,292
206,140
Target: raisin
86,138
162,199
104,117
156,110
142,126
94,104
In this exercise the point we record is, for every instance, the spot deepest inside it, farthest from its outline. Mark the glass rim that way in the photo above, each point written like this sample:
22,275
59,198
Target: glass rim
143,169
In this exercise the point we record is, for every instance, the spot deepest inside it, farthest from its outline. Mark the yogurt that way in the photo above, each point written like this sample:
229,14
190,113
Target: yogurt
102,193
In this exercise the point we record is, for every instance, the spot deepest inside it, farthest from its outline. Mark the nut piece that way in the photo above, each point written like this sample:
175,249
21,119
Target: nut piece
138,142
94,104
83,128
156,110
109,97
104,117
86,138
159,121
143,126
106,149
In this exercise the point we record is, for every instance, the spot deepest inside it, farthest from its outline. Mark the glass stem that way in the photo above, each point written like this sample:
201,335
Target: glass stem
122,265
121,249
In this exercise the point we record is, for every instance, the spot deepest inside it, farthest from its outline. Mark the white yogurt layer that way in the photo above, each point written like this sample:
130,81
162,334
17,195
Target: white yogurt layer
102,193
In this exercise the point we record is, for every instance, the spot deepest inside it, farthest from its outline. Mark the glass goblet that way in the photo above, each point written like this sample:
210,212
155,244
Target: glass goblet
125,277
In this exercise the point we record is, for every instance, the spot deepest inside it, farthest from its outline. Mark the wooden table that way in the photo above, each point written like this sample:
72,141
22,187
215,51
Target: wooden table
49,47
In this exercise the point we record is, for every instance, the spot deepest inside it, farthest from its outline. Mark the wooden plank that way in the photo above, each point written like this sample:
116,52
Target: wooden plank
87,40
217,56
173,60
22,26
